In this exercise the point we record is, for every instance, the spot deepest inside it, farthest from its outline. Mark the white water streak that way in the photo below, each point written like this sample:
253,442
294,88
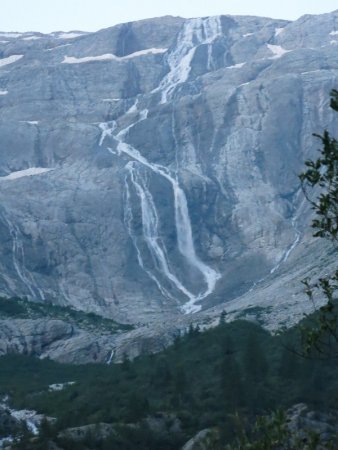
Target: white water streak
195,32
150,225
17,255
128,218
107,130
111,356
288,251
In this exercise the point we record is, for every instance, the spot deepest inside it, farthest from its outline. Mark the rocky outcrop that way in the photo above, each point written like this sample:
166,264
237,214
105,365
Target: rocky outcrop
149,170
54,339
100,431
8,424
67,342
300,428
305,424
204,440
31,337
162,425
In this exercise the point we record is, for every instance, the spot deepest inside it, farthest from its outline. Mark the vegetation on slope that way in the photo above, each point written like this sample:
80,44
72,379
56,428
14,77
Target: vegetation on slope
16,308
203,380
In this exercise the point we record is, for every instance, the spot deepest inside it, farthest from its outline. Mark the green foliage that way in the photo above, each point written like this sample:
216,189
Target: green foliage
323,173
320,338
17,308
202,380
231,377
271,432
268,432
23,438
318,332
125,437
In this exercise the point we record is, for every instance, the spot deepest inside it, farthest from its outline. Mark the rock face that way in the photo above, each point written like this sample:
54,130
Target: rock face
149,169
67,342
30,337
204,440
54,339
302,422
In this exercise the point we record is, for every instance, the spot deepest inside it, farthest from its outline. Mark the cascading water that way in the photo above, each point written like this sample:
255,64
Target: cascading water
150,229
128,217
195,32
294,225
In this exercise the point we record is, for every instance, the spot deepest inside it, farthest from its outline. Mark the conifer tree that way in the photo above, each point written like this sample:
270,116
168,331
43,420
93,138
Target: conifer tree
231,379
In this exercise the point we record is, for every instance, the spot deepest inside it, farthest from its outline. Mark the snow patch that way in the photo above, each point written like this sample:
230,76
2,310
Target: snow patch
10,35
334,33
247,34
111,99
311,71
3,92
58,46
236,66
26,173
70,35
111,57
60,386
74,60
152,51
30,122
31,38
278,31
277,50
4,42
10,60
333,42
133,108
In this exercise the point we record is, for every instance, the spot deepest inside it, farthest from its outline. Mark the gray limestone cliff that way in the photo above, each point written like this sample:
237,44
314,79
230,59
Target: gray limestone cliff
149,170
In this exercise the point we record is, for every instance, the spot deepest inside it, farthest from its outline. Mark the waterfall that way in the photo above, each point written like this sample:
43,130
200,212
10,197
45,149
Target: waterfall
150,222
150,230
128,217
111,356
195,32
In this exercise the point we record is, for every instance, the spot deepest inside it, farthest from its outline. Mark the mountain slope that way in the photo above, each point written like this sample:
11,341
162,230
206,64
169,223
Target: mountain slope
149,170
